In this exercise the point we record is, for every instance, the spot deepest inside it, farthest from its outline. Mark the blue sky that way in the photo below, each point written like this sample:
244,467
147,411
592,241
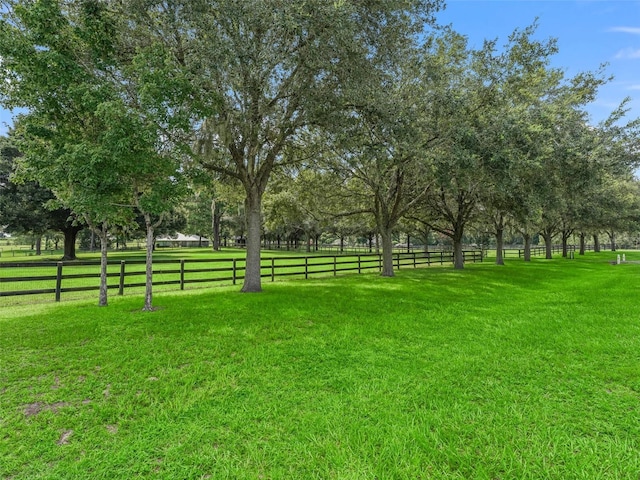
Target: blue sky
589,33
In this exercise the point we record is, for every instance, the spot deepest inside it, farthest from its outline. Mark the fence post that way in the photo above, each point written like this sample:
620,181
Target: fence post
273,269
359,267
306,268
58,281
234,271
398,260
441,257
414,259
335,266
182,274
121,279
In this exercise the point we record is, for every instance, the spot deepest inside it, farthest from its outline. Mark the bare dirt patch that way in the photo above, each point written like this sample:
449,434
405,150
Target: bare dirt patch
64,438
32,409
35,408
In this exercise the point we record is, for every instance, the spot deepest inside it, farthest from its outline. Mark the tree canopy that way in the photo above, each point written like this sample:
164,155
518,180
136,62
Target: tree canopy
317,111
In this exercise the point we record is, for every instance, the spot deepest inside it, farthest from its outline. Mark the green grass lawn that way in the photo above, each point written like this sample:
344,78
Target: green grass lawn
527,371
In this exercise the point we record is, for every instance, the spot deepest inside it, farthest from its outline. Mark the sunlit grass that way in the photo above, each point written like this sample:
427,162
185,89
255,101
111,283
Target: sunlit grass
522,371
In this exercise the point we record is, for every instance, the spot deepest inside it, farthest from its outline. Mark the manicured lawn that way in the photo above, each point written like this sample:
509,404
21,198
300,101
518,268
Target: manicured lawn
526,371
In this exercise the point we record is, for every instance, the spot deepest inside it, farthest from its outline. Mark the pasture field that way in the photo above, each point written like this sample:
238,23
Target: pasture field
527,371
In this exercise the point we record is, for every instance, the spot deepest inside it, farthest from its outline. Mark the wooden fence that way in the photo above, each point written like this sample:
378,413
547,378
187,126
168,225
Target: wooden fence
536,251
53,279
541,250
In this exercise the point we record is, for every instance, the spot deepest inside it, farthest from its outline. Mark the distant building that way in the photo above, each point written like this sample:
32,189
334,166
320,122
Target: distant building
180,240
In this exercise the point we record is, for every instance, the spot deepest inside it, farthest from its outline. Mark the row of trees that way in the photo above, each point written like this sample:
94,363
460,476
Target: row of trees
318,109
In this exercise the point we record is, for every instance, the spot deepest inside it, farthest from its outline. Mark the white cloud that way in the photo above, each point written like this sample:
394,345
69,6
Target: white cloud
628,53
633,87
632,30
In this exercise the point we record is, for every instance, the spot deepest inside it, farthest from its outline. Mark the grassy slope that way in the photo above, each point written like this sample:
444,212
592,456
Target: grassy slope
526,371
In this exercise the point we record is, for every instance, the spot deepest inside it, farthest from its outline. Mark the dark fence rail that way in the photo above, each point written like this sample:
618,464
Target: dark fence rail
542,250
539,250
354,249
508,251
25,252
55,278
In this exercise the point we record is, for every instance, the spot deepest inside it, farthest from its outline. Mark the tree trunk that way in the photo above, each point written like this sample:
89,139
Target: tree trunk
341,244
70,236
612,239
216,219
424,236
499,246
564,245
308,241
548,246
582,243
252,280
370,243
148,290
458,254
527,247
103,295
387,254
596,243
39,245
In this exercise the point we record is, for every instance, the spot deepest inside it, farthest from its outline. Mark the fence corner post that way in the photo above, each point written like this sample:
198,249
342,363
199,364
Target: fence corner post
273,269
59,281
234,271
121,282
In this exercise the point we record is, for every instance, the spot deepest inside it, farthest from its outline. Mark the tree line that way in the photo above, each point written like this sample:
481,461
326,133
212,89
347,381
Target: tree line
317,112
